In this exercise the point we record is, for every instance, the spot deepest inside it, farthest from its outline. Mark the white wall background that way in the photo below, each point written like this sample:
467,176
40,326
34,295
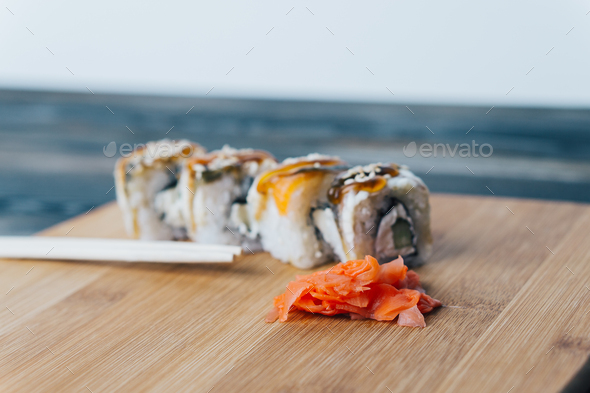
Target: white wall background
454,51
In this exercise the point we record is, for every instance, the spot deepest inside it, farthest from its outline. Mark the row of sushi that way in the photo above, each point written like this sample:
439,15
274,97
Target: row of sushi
307,210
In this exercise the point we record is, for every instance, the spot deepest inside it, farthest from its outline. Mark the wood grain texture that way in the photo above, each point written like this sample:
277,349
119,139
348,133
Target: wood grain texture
518,317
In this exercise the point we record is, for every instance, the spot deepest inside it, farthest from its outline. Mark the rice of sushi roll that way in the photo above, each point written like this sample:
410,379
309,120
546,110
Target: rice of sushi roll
214,185
281,202
140,177
380,210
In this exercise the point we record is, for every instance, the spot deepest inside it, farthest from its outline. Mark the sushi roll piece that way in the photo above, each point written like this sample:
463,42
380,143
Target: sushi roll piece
281,203
139,179
213,188
378,209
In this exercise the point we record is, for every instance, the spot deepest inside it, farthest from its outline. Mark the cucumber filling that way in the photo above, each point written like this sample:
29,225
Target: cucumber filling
395,235
402,233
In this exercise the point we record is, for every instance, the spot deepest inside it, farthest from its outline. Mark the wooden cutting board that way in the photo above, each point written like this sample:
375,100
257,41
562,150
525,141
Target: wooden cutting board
514,273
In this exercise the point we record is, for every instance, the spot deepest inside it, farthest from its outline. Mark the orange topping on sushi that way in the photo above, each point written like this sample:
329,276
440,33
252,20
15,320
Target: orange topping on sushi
267,180
336,193
286,179
284,187
344,184
360,288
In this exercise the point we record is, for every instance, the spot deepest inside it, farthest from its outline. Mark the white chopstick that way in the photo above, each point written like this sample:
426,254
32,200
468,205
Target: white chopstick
80,249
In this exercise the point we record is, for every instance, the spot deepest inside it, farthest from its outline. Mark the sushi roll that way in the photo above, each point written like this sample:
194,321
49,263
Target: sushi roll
139,178
281,203
211,188
380,210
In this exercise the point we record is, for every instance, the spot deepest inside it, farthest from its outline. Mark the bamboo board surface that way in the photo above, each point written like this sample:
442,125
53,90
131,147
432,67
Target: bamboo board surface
517,273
